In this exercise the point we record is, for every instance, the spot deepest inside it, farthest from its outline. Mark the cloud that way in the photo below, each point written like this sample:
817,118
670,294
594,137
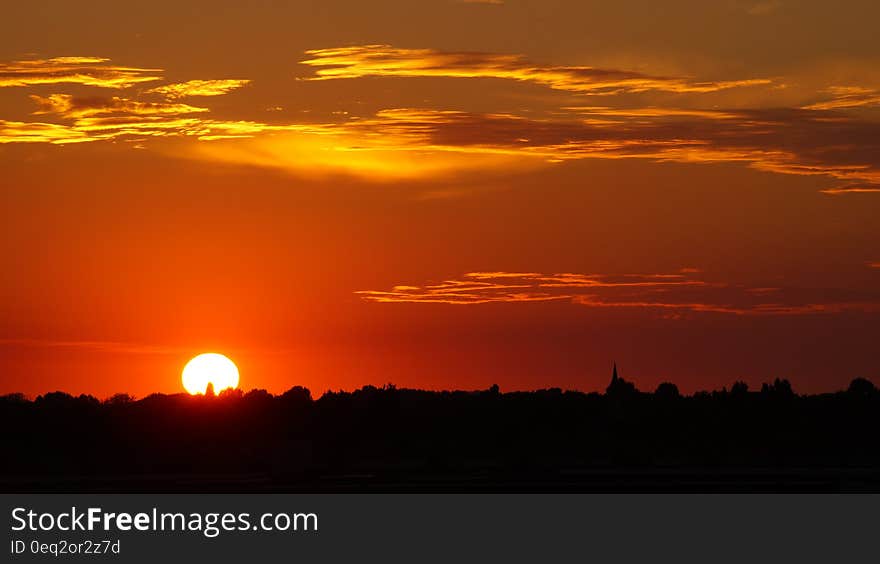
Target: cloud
821,139
407,143
487,287
648,112
89,71
105,119
69,106
30,132
679,291
199,88
786,141
385,60
852,189
100,128
847,97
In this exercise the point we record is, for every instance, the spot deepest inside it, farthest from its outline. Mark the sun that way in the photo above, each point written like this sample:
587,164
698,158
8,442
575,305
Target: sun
209,367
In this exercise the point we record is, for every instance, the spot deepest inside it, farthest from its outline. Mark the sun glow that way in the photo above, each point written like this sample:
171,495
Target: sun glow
209,367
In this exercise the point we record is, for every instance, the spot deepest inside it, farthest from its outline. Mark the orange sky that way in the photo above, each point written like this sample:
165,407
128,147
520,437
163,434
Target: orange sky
443,194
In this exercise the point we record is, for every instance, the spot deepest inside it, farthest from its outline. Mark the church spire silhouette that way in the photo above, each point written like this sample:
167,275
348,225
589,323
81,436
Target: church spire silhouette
618,386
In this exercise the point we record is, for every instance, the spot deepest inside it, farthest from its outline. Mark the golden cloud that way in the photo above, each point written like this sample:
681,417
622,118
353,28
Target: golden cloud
680,291
847,97
108,128
385,60
89,71
98,118
487,287
852,189
69,106
199,88
423,142
405,143
29,132
410,143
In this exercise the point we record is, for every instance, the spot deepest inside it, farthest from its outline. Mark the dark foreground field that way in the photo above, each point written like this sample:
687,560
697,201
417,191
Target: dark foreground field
389,439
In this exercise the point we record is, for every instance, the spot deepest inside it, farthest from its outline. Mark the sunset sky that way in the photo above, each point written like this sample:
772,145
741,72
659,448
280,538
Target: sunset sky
439,194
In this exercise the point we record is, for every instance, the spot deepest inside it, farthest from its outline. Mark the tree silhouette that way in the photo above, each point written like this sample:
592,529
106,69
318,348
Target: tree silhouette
778,389
739,389
119,399
861,387
667,390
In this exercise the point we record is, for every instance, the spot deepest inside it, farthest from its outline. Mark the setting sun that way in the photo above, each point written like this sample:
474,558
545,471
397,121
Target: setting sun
209,368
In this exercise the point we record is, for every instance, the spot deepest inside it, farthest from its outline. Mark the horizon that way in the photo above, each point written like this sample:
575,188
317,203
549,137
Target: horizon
241,391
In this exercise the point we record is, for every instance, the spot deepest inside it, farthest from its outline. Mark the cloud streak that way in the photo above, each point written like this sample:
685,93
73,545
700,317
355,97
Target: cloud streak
105,119
424,142
823,139
786,141
89,71
677,292
847,97
385,60
68,106
852,189
91,129
199,88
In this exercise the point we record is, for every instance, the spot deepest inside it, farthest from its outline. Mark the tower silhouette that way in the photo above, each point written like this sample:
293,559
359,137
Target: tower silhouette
618,386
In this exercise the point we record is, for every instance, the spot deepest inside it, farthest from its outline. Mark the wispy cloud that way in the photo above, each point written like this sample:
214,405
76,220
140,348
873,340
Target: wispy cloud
68,106
415,142
91,129
102,119
605,112
199,88
852,189
681,291
89,71
821,139
34,132
385,60
787,141
846,97
487,287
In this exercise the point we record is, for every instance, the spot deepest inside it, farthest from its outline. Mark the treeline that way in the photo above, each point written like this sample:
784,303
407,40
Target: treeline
618,387
398,436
